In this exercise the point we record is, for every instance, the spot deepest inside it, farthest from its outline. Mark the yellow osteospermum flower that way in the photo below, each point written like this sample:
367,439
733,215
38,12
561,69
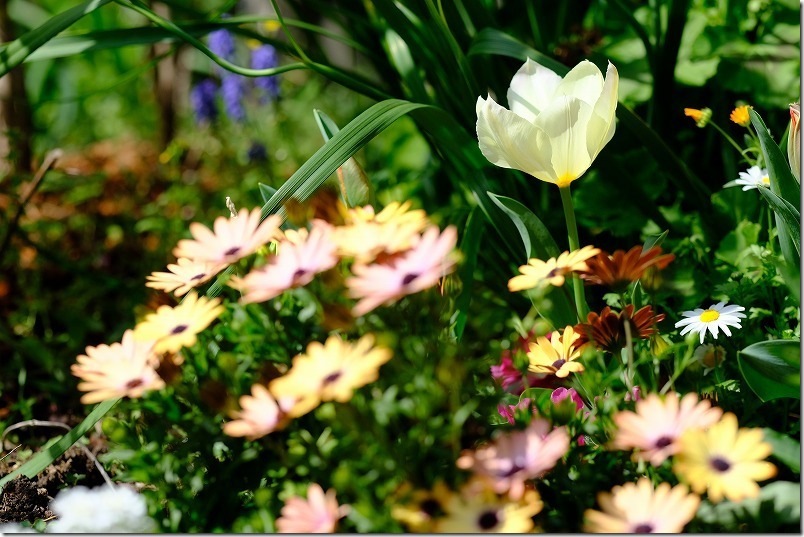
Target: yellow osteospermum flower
724,461
740,115
556,355
366,235
330,372
479,510
174,328
539,273
639,508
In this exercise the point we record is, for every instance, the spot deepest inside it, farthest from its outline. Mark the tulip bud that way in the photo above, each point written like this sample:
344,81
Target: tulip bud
794,140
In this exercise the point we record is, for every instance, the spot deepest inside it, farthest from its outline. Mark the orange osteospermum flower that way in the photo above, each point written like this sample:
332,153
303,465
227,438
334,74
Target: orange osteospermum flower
607,329
117,370
556,355
232,238
619,269
538,273
740,115
319,513
654,429
639,508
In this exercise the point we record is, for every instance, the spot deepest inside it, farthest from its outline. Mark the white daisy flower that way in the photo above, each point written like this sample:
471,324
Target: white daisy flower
753,177
717,316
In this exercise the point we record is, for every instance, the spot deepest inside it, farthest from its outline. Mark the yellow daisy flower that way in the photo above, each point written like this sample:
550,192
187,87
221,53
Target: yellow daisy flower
701,117
174,328
421,509
556,354
117,370
183,276
479,510
638,508
724,461
330,372
538,273
366,235
740,115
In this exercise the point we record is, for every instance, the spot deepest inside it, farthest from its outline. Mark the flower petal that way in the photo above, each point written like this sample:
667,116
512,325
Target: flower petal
532,89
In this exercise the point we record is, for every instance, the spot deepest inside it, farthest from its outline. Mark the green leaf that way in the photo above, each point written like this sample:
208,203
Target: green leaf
778,503
44,458
18,50
266,191
353,183
469,247
785,449
783,185
534,234
772,369
494,42
654,240
787,216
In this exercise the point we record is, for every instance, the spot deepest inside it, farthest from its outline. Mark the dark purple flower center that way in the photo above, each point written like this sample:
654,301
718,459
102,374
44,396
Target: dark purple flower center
409,278
299,273
332,377
663,442
720,464
558,363
179,329
512,470
133,383
643,528
429,506
232,251
197,276
488,520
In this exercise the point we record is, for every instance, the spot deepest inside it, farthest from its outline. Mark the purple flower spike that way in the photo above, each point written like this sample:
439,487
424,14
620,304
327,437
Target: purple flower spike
202,98
233,91
265,57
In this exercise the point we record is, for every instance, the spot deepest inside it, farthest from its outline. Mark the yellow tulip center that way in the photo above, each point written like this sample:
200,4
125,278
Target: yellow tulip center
565,180
709,315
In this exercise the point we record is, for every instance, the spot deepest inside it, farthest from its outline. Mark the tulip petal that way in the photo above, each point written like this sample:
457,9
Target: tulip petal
509,141
584,82
602,122
564,124
532,89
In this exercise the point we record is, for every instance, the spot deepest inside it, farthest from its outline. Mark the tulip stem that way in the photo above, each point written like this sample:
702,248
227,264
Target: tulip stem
572,235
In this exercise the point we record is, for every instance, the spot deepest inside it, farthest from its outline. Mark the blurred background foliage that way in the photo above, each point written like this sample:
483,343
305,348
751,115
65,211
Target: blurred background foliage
139,165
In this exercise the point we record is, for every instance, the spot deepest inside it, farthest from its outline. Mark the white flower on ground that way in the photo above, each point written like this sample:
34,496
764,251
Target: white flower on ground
105,509
717,317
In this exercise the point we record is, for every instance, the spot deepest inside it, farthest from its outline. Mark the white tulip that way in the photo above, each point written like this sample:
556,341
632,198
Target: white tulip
555,127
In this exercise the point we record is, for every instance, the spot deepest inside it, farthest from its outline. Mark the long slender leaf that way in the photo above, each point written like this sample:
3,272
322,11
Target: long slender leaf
44,458
772,369
353,183
19,49
789,218
470,246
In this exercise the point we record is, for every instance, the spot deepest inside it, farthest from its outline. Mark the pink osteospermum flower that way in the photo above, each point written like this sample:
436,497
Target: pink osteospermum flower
510,377
262,414
117,370
560,394
300,256
654,429
319,513
183,276
417,269
230,240
516,457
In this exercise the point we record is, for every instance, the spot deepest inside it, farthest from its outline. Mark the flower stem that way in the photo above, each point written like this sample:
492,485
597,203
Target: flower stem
572,235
